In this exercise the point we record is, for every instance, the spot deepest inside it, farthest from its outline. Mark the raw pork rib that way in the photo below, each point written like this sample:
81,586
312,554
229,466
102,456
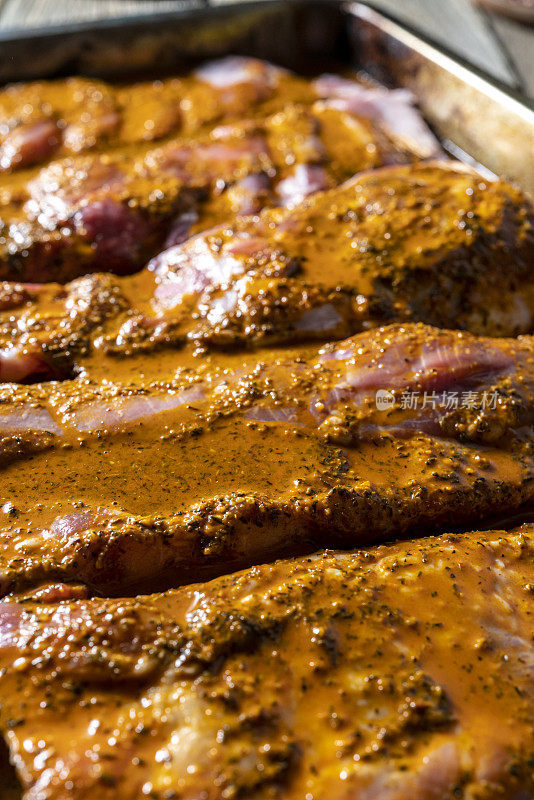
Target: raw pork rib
245,316
218,469
398,673
66,211
432,243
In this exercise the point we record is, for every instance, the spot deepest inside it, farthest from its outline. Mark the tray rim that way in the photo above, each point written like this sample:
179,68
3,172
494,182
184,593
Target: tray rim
201,10
444,57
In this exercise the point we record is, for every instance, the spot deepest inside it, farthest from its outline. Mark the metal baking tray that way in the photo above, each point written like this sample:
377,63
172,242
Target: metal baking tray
477,119
475,116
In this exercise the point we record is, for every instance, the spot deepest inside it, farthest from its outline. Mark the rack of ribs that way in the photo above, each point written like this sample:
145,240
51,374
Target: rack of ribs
398,672
257,136
216,469
47,119
244,317
342,261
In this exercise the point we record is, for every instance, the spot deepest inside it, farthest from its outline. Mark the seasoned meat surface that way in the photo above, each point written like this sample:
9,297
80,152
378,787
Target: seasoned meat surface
433,242
215,468
114,210
404,671
47,119
245,316
236,137
51,118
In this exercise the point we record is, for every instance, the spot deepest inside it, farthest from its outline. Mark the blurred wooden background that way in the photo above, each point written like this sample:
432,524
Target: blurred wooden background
502,47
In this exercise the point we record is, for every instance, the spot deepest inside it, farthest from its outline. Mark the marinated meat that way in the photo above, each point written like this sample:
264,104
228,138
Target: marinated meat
399,672
432,242
209,414
40,120
106,212
51,118
392,431
113,209
47,119
394,111
113,212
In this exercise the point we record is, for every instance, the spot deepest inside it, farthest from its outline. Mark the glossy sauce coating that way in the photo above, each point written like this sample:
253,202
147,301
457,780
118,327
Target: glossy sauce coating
204,415
97,177
398,672
431,242
227,465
